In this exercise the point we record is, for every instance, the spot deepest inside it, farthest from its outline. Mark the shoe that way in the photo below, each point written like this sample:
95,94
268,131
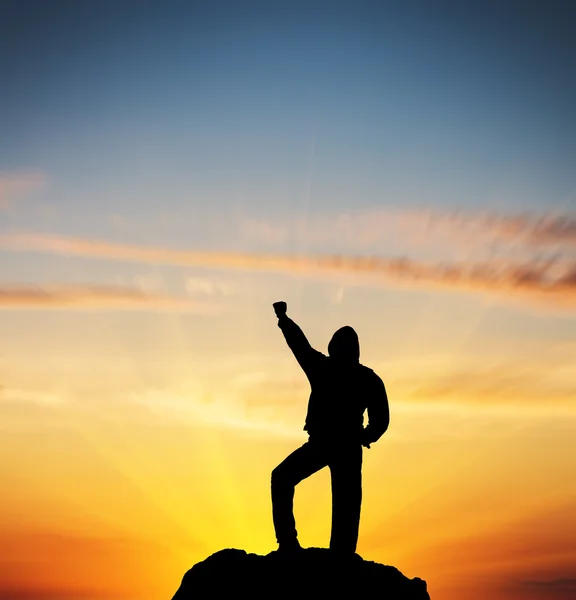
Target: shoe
345,556
290,547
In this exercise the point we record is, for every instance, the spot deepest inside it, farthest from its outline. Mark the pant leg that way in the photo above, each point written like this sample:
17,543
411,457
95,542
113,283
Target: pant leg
299,465
346,473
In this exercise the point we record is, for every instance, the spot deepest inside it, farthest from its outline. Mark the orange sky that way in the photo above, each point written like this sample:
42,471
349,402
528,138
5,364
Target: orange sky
125,463
141,415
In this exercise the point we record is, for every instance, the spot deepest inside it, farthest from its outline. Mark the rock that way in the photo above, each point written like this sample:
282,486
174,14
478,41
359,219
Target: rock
310,573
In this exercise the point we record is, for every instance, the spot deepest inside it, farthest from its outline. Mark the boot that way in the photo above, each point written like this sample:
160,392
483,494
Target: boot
289,547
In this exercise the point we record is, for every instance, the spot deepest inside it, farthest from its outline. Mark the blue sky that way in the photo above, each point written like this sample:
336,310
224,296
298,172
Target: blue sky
300,127
225,126
241,106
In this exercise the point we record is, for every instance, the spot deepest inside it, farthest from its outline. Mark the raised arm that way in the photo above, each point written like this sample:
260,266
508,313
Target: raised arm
296,340
378,414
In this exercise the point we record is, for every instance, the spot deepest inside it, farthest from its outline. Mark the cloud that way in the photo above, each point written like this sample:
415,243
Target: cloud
509,383
420,226
542,229
224,409
210,287
13,185
528,228
567,584
547,282
337,295
263,230
92,297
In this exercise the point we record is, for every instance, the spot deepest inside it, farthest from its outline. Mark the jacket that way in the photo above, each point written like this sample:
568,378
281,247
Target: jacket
342,389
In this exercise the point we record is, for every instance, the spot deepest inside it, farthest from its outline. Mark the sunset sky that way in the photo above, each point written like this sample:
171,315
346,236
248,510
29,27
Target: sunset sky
169,169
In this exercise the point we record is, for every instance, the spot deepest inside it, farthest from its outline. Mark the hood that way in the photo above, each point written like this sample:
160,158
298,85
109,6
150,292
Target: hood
344,345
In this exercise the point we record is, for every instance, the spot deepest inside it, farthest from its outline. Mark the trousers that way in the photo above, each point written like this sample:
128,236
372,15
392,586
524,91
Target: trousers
344,460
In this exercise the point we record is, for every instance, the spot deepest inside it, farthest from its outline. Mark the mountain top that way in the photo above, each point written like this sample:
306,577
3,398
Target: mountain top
310,573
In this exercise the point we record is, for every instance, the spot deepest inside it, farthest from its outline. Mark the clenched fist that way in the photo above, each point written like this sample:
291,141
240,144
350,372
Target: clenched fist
280,308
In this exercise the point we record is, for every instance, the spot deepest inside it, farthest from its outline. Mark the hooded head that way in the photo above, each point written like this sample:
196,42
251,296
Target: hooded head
344,345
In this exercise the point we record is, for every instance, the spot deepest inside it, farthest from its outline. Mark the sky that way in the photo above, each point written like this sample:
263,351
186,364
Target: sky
170,169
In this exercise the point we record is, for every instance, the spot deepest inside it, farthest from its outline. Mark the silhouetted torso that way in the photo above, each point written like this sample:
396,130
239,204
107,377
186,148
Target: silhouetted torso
339,397
342,389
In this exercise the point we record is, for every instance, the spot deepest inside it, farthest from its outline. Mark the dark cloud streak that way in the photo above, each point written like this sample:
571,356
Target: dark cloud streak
91,297
550,282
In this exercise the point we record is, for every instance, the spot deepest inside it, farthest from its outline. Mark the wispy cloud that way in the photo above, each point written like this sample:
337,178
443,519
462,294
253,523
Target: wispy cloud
13,185
368,228
532,228
92,297
509,383
203,285
566,584
549,281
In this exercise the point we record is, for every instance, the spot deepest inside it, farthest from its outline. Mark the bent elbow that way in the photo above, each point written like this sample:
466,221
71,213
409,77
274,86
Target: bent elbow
382,429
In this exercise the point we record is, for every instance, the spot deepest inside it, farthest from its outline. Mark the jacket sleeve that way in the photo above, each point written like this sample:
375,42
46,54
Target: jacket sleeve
306,356
378,414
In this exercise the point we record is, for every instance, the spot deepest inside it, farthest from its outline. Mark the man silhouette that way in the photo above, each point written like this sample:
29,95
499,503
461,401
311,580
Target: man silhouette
342,389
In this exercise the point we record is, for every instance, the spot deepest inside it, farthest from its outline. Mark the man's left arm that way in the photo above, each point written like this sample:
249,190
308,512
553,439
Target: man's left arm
378,414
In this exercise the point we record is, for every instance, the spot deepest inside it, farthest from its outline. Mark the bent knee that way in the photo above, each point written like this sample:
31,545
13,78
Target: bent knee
279,477
276,476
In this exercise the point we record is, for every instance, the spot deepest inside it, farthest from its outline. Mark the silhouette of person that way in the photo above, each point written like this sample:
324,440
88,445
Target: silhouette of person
342,389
